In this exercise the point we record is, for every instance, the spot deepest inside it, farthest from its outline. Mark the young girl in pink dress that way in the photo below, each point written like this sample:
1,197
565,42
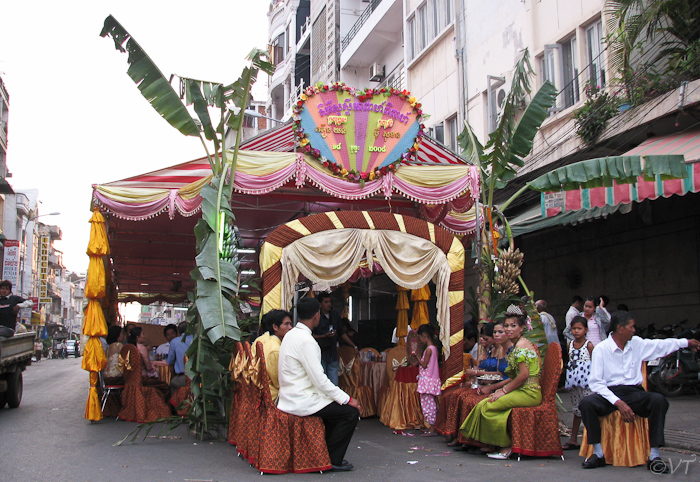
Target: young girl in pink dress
429,377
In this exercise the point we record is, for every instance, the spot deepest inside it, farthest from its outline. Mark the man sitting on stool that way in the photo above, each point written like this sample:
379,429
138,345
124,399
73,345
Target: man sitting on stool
616,380
306,390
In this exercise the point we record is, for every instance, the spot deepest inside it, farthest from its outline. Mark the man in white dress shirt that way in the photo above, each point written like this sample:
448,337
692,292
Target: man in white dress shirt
616,380
306,390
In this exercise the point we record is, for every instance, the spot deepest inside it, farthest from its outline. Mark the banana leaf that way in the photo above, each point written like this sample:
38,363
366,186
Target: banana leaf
150,80
472,150
605,171
531,120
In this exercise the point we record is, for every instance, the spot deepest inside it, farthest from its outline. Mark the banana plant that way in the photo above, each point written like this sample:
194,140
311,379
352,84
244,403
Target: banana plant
499,160
213,315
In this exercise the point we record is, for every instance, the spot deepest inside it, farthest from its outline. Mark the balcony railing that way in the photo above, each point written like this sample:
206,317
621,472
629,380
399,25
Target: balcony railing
373,4
396,79
293,98
305,28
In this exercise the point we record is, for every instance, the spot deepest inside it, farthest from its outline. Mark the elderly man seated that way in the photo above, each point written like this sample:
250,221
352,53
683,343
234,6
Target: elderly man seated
277,323
306,390
616,381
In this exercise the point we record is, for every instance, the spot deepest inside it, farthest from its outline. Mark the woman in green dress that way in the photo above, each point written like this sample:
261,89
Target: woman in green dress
487,422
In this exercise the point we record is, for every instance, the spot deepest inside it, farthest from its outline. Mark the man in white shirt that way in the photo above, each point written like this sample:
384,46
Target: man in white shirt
616,380
306,390
550,326
574,311
170,332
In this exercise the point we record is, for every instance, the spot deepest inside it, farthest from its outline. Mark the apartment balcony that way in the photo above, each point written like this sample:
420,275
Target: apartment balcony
55,261
55,232
22,204
53,290
377,30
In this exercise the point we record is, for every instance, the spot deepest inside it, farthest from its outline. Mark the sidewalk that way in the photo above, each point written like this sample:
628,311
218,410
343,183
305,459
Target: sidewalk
682,427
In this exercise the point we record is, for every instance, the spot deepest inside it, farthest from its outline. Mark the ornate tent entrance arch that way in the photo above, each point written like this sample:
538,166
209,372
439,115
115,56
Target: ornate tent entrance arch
328,247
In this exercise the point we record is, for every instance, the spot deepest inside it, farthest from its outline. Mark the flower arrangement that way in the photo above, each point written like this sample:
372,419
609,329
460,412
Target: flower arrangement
362,95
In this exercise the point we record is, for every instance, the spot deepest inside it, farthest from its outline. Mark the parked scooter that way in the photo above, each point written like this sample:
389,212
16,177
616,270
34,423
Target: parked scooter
673,373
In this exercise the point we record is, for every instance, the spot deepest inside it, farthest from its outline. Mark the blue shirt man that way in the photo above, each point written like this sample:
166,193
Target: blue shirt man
176,357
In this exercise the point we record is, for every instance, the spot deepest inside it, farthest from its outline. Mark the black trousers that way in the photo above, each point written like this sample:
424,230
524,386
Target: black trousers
652,406
340,422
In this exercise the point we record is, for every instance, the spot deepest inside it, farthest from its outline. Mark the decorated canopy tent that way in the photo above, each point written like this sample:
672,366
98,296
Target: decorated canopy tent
328,248
151,217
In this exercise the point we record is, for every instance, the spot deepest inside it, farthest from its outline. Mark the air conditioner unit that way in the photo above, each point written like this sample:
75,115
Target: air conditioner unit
376,72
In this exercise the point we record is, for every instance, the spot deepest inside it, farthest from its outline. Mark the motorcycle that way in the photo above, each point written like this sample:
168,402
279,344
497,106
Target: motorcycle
673,373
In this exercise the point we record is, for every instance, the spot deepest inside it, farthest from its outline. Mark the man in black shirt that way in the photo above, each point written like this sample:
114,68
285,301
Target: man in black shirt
9,307
326,334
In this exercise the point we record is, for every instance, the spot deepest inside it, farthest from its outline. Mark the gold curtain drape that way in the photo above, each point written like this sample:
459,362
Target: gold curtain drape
402,315
420,299
94,325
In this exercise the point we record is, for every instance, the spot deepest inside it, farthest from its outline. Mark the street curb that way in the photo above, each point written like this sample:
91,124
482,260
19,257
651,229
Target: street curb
679,439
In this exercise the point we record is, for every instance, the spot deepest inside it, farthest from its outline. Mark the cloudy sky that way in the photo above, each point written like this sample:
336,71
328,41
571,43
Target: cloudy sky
76,119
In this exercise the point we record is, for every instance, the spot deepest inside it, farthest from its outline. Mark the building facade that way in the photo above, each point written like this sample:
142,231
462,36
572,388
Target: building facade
290,34
457,58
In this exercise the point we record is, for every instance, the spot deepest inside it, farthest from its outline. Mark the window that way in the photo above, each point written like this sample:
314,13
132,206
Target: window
594,41
278,49
429,20
439,131
452,133
569,72
559,65
412,38
422,28
447,12
436,23
318,45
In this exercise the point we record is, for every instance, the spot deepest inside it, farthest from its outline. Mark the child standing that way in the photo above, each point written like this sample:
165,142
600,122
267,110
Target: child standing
577,372
428,377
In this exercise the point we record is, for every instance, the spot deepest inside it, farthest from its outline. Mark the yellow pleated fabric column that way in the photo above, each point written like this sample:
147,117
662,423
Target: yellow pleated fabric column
94,324
402,315
420,299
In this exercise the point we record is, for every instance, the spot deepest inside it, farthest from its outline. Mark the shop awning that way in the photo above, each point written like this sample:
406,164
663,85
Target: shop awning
686,144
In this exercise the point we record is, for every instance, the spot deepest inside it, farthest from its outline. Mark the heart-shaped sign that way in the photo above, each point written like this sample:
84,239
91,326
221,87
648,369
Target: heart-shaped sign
358,134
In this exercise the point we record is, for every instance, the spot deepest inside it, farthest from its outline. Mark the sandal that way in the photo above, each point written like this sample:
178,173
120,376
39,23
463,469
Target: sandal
454,443
500,455
570,446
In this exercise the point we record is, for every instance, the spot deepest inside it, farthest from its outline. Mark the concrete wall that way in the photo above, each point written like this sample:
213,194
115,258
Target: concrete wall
497,32
434,80
647,259
390,55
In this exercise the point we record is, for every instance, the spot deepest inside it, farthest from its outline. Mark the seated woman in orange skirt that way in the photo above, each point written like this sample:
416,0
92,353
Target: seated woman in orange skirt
149,373
495,364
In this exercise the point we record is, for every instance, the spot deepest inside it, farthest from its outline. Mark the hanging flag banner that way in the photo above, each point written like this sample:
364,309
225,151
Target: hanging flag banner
10,264
357,134
44,269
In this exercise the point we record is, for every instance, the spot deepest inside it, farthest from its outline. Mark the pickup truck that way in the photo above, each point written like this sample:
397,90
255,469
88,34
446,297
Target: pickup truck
15,355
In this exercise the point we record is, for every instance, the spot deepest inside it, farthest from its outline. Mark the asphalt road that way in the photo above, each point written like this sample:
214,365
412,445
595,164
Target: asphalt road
48,439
